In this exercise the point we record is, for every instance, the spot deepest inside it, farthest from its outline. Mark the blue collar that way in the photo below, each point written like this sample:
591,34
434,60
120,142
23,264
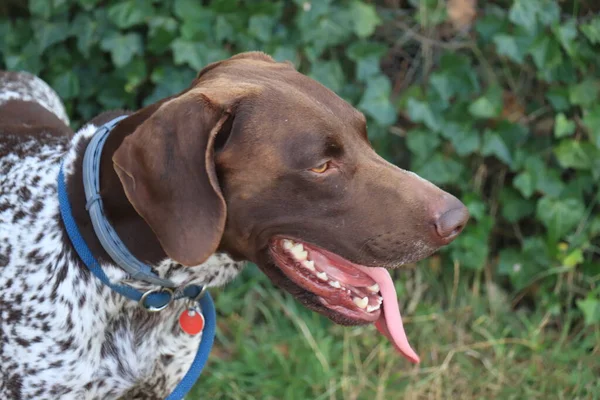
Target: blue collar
152,300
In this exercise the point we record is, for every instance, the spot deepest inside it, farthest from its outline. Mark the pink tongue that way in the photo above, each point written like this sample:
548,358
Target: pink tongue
390,321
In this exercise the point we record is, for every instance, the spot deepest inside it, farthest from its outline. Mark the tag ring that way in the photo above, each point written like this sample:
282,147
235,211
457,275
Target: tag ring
150,308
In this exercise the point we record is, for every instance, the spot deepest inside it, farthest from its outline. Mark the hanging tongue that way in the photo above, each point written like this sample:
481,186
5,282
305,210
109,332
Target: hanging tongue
390,321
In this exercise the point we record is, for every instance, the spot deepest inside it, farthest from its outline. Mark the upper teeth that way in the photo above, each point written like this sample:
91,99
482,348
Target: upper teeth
298,252
362,303
374,288
310,264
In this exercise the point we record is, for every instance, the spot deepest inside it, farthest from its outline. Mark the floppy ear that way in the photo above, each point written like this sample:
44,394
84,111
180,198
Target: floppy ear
167,170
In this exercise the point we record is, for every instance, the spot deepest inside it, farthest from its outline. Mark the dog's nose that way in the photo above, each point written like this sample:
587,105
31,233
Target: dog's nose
452,219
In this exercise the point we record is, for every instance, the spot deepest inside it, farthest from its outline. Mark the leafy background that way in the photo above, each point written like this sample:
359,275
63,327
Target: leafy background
496,101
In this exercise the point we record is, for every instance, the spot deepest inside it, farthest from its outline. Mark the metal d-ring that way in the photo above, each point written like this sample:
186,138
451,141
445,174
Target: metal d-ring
199,295
142,301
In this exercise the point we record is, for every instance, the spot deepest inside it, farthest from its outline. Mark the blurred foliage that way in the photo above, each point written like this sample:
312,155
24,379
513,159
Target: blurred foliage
498,104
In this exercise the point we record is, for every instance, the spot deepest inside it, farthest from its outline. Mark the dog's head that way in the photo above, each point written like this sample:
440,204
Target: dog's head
264,163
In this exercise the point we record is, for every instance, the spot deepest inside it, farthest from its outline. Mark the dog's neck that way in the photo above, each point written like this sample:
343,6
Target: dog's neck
135,233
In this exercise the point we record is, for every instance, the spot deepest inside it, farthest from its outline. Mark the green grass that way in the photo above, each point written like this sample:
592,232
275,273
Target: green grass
472,346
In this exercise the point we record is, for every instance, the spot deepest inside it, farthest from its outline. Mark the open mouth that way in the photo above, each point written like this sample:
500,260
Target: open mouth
359,293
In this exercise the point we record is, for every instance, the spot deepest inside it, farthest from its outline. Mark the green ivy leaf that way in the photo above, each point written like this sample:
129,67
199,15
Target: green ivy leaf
367,56
122,48
506,45
591,120
549,182
50,33
548,11
559,98
66,85
584,93
365,18
525,183
189,10
575,154
134,73
84,28
493,145
420,111
88,4
491,23
287,53
567,35
169,80
527,13
40,8
224,28
162,31
546,52
590,307
441,170
330,74
514,207
186,52
422,143
487,106
523,13
261,27
455,78
560,216
592,30
464,138
130,13
376,101
324,26
563,126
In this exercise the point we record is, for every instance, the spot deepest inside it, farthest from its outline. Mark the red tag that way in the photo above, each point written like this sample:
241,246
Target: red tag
191,321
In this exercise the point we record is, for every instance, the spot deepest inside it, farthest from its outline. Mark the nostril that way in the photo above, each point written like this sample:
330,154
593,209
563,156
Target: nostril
452,222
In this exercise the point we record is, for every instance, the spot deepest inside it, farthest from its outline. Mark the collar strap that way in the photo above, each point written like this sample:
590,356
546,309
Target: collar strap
105,233
152,300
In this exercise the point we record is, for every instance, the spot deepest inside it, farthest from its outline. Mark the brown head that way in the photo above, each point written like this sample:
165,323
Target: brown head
264,163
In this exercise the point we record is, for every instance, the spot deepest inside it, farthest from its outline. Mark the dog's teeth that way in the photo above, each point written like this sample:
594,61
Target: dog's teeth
373,308
322,276
362,303
379,300
309,264
298,246
374,288
298,252
288,244
335,284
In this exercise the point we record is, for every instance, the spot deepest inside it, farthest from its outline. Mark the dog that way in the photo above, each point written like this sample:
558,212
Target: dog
253,162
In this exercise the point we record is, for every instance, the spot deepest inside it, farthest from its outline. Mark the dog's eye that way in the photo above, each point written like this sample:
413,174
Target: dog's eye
321,168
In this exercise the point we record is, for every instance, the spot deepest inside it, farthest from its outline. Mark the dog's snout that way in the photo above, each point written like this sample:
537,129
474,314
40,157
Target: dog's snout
453,217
